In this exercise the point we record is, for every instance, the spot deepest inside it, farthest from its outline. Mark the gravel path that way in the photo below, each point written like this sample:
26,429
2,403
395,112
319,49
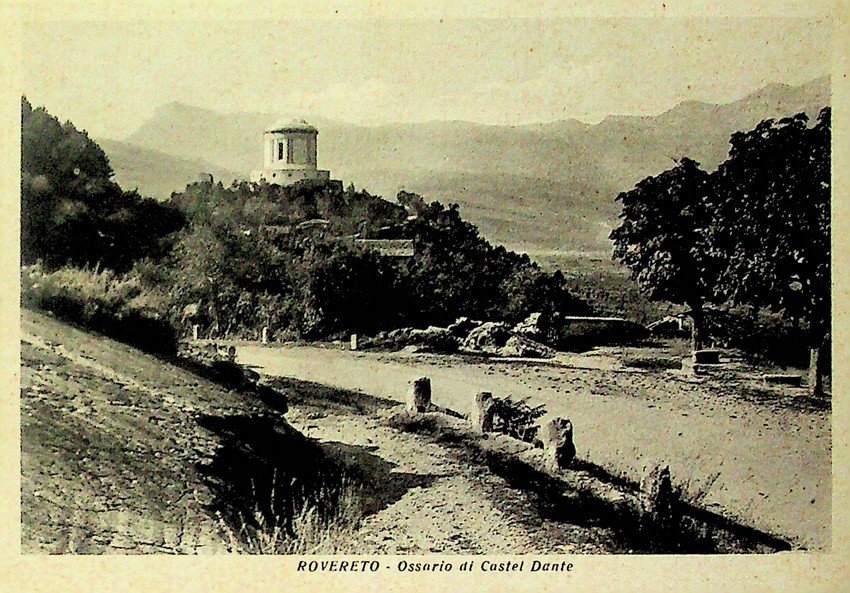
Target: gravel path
771,457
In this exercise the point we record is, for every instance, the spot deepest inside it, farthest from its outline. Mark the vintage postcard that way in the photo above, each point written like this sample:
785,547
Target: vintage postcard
379,296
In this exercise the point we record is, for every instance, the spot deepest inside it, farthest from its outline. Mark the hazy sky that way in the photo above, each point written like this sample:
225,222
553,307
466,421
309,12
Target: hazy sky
109,77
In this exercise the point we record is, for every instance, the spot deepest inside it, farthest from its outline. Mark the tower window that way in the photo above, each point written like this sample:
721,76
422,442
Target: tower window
280,151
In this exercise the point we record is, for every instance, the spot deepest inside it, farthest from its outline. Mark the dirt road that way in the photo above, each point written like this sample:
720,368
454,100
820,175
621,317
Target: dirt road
772,458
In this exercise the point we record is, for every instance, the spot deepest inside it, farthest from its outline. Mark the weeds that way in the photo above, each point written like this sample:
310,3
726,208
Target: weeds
316,519
516,419
103,301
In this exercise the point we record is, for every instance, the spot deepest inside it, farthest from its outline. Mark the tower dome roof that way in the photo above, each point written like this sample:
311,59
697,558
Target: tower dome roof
291,125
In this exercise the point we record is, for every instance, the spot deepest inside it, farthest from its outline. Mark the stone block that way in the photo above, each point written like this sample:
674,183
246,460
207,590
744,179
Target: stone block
783,379
558,447
708,356
419,396
483,412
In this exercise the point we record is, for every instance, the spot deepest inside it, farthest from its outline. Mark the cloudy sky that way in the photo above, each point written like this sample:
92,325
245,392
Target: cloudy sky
109,77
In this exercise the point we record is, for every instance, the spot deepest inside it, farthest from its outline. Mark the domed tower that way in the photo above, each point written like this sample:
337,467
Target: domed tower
289,150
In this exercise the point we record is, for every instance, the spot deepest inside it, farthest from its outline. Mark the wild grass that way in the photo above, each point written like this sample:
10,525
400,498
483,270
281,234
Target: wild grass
103,301
318,519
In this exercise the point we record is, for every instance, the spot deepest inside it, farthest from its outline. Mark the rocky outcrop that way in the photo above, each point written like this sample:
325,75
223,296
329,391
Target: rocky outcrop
462,326
488,338
534,327
523,347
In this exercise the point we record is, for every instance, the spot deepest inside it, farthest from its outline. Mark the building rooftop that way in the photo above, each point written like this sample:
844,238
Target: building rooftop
291,125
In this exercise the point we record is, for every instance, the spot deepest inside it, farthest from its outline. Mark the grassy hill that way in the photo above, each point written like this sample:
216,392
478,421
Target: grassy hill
539,186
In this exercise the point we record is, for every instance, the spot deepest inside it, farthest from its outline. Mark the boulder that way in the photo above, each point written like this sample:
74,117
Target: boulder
488,337
524,347
462,326
434,339
533,327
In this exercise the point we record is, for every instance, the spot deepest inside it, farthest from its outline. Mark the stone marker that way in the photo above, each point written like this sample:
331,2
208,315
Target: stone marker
354,341
195,329
265,337
557,438
657,498
419,397
482,413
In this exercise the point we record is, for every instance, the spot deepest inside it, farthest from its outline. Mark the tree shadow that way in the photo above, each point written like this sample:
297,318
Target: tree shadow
381,485
266,469
329,399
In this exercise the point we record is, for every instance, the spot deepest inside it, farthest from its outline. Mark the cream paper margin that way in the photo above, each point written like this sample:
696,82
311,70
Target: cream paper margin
70,574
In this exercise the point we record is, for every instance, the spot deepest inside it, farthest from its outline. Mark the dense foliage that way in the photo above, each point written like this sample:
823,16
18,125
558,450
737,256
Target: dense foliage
71,210
260,255
755,233
662,239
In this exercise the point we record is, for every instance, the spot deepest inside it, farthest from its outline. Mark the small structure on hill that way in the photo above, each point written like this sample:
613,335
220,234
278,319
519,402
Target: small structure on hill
290,154
402,248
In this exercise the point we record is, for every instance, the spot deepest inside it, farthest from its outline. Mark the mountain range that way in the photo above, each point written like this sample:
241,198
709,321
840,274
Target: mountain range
536,187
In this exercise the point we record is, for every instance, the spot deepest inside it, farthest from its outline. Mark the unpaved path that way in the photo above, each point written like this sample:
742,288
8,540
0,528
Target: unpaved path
112,441
773,460
449,505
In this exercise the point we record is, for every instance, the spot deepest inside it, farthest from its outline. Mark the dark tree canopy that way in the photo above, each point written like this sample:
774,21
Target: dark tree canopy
248,258
772,204
662,238
71,210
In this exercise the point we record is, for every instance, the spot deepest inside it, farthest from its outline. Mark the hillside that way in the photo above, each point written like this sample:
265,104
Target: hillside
539,186
156,173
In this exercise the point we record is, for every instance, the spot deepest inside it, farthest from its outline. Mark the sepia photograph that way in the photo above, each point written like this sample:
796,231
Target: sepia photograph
428,288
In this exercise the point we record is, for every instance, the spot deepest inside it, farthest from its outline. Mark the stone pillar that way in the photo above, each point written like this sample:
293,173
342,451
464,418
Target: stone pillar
195,329
657,500
419,396
354,341
558,447
482,413
265,337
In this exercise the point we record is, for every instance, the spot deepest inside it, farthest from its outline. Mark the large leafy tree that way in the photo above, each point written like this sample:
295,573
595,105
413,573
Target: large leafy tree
772,203
662,239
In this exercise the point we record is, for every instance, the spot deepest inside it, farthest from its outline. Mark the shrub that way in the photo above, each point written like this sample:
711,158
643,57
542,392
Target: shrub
760,335
516,418
102,301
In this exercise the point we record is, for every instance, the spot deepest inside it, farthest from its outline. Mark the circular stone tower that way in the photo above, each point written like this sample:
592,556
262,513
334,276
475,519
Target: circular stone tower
289,154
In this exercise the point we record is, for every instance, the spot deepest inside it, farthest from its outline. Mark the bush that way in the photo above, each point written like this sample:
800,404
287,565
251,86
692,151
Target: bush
516,418
246,262
101,301
760,335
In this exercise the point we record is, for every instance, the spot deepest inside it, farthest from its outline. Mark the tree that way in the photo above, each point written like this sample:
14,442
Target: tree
72,211
772,204
662,239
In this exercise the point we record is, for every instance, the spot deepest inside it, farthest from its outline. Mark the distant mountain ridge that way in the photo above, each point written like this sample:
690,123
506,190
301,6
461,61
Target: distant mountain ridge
535,186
